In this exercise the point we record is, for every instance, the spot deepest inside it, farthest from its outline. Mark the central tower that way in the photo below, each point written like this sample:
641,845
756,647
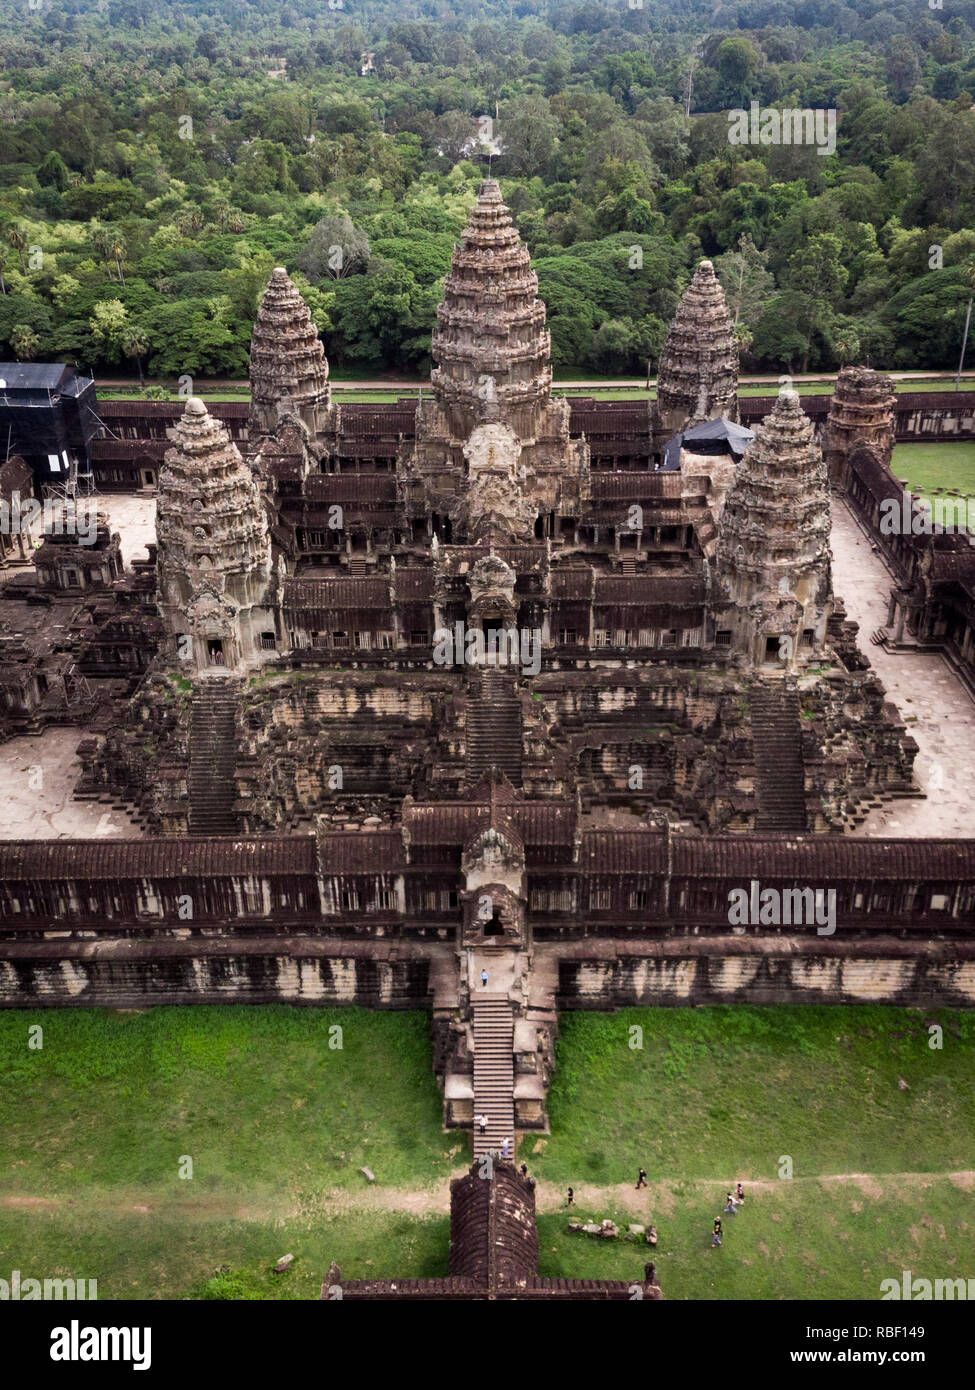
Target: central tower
490,344
492,354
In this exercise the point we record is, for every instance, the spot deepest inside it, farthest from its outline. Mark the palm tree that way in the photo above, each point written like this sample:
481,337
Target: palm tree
970,281
24,341
17,238
3,267
118,251
136,344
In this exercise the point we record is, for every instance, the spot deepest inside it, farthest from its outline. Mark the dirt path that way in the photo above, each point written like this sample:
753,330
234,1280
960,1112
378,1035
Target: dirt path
658,1198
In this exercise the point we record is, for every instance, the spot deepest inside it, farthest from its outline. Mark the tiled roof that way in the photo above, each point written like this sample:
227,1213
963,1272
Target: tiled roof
331,594
205,856
649,589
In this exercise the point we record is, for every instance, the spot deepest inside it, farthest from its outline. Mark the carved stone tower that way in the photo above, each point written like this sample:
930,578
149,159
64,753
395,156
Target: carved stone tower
214,556
697,377
490,343
287,360
861,412
492,352
773,546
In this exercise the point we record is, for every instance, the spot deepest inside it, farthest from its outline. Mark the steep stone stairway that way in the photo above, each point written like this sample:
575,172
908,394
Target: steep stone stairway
494,1071
493,732
213,758
780,777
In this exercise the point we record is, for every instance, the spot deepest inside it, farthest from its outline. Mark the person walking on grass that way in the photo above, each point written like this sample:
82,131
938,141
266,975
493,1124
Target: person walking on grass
730,1205
739,1194
716,1233
641,1180
570,1198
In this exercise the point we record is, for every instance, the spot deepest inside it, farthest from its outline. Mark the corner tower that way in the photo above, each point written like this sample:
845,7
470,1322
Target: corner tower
773,546
860,412
697,377
287,361
214,556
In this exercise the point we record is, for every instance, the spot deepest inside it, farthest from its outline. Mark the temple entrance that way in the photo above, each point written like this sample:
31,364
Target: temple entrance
494,927
215,651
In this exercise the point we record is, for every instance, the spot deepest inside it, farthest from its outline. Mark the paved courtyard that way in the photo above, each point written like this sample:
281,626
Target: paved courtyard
934,704
38,774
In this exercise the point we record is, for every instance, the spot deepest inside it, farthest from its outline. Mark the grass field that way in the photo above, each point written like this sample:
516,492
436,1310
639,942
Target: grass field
603,393
948,465
277,1124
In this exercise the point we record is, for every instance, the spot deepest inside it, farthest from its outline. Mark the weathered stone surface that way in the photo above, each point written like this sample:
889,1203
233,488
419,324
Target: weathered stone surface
697,376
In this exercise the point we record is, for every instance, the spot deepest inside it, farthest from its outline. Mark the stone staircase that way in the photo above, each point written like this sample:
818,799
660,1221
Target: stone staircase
494,1078
493,729
780,777
213,758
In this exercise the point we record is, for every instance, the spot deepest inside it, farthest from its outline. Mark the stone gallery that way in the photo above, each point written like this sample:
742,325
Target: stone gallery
488,705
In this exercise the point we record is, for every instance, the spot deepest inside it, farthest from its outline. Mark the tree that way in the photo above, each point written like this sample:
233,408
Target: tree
737,61
53,172
24,341
336,248
108,327
529,135
746,283
454,133
17,240
135,343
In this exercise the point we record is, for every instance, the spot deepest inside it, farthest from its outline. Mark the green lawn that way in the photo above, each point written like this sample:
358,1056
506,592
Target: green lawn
255,1096
602,393
947,465
799,1240
278,1124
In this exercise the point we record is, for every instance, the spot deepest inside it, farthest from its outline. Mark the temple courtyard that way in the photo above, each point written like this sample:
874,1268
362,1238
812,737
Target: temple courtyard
937,708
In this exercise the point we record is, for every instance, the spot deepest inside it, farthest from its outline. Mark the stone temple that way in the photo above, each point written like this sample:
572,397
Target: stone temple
485,705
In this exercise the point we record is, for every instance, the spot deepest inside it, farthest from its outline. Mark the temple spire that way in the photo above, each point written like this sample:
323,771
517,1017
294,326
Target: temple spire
287,359
490,344
214,558
697,377
773,546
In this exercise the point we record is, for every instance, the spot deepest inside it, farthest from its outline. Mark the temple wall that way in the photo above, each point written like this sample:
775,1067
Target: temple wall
772,972
119,974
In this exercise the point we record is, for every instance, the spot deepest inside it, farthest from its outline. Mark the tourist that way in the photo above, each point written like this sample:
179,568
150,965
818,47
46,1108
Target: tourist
505,1145
739,1194
482,1123
570,1199
716,1235
483,979
730,1205
641,1179
524,1170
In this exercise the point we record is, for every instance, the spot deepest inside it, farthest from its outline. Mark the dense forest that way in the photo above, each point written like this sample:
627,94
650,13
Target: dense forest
157,160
